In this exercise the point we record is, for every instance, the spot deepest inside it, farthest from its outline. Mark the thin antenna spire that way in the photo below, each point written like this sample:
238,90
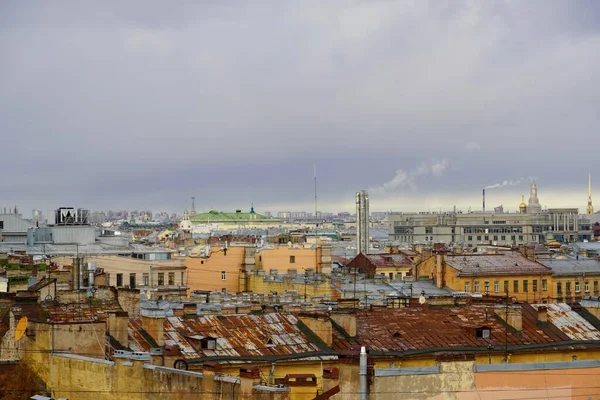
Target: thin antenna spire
317,269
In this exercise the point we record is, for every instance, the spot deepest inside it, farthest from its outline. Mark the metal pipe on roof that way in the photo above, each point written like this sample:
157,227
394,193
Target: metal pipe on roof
363,373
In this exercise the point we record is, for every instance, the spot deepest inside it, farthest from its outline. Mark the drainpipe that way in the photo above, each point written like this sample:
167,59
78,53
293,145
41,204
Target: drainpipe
272,374
363,373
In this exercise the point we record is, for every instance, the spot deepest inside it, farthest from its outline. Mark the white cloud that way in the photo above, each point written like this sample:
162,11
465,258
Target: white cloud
473,146
409,178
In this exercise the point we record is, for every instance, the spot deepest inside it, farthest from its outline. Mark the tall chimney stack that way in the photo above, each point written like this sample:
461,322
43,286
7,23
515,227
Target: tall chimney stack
484,201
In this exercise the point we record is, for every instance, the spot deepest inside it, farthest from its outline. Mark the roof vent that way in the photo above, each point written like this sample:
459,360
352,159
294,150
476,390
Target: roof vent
396,334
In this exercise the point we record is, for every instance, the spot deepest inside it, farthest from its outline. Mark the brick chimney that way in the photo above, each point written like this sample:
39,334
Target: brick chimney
542,315
512,315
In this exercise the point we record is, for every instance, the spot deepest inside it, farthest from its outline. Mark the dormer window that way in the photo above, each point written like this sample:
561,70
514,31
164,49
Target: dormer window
482,333
270,343
208,343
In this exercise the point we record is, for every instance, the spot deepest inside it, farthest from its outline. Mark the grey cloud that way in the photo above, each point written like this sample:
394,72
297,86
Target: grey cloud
125,93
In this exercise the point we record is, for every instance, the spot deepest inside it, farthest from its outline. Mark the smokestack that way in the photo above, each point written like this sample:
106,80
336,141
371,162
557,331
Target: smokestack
484,201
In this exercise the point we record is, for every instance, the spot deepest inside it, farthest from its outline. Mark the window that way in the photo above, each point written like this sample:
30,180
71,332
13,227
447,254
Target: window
587,286
505,286
559,288
496,286
161,279
171,278
534,285
182,279
479,238
596,286
525,286
468,287
132,281
469,237
145,279
568,287
516,286
107,279
577,287
487,237
544,284
119,280
428,229
486,287
223,275
495,237
482,333
513,237
521,238
476,287
503,237
292,259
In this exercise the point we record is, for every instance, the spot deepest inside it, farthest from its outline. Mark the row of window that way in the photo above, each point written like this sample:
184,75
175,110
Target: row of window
486,286
145,279
586,287
495,237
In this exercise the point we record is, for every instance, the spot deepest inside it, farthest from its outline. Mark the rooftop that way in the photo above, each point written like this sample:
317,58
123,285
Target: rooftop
389,260
589,266
240,337
512,263
414,330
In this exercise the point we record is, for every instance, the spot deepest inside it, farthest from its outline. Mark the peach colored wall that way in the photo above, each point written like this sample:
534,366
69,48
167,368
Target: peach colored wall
576,384
206,273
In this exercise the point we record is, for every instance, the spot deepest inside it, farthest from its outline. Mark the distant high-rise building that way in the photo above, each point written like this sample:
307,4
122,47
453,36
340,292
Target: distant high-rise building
362,222
590,207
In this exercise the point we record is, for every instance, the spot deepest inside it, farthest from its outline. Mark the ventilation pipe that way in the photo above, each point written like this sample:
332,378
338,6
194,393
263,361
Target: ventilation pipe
363,373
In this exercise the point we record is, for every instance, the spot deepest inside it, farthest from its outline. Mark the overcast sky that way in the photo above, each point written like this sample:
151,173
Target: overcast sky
143,104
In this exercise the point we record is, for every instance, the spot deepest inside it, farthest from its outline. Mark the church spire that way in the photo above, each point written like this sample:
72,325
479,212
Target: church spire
590,207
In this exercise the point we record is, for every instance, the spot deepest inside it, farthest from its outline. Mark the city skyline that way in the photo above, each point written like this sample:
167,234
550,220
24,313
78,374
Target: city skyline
423,104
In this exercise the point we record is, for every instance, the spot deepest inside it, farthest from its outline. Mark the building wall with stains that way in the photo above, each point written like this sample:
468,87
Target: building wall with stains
463,380
218,271
300,258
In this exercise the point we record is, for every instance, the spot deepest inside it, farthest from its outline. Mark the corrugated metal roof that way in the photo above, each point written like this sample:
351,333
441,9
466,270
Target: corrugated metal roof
572,266
431,328
272,334
389,260
493,264
569,322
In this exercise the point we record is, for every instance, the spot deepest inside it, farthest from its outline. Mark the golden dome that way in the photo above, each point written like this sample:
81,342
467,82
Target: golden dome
523,204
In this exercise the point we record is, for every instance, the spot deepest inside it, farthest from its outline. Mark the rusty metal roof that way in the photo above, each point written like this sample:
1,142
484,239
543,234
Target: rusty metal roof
236,336
509,263
569,322
431,329
389,260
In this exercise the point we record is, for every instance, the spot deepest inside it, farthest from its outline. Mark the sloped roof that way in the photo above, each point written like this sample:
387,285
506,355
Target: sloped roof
569,266
509,263
389,260
271,335
440,329
570,322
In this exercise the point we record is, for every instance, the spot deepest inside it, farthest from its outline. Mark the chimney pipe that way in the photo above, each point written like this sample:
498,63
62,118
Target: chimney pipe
484,201
363,373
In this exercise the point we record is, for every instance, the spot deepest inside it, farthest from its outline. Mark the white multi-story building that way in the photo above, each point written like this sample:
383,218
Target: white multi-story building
531,224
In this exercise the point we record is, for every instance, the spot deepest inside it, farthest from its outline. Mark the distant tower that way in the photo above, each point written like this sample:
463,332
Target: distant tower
590,207
534,203
362,222
193,212
523,206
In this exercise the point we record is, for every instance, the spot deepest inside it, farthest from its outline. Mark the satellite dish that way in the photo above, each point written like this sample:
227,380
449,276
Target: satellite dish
422,300
21,328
